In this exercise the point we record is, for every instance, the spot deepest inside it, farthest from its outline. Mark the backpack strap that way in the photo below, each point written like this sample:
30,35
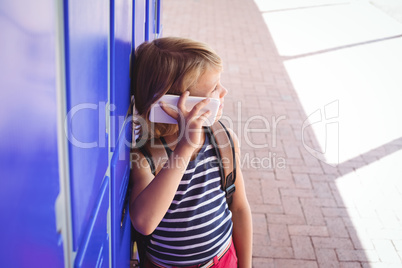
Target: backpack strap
158,157
148,157
224,146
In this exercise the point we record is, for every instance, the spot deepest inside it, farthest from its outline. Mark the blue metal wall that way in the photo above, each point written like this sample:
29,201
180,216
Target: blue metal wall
121,43
88,112
29,182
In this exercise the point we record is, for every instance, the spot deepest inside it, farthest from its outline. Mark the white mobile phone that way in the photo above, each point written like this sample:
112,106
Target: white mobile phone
158,115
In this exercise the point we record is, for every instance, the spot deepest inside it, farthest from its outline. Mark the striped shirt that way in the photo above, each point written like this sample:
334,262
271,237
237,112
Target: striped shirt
198,223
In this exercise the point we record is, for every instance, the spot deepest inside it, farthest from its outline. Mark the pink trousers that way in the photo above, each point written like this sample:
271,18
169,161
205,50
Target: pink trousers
228,260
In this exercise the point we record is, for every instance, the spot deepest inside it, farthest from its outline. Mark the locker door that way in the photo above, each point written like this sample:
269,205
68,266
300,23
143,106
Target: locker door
153,27
94,251
121,44
121,223
158,19
139,22
86,49
150,20
29,181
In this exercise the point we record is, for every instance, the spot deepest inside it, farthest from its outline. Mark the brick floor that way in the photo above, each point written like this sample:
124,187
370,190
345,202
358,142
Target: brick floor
306,213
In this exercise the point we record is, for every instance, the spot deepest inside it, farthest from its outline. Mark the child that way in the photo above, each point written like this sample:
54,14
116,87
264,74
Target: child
182,209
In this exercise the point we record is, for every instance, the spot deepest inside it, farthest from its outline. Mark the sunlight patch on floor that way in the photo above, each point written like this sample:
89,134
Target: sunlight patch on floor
274,5
373,198
309,30
365,82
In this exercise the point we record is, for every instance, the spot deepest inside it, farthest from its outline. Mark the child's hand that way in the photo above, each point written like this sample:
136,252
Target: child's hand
190,122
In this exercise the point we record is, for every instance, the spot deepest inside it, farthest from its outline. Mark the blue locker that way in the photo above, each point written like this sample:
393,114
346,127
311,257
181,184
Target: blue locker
153,20
94,249
158,26
150,20
120,172
121,34
120,49
99,36
139,17
86,48
29,181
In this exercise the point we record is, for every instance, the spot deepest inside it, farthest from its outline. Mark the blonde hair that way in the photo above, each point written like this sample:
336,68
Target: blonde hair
169,65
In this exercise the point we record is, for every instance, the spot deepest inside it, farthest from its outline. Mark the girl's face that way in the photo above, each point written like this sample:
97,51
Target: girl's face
209,85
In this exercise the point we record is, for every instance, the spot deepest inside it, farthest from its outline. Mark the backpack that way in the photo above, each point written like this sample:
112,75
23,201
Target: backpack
220,139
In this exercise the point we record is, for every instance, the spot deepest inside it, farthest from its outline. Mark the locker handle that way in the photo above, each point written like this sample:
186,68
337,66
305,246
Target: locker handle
123,215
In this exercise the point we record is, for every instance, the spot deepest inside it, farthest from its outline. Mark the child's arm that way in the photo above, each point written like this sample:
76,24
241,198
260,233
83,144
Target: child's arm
151,196
241,216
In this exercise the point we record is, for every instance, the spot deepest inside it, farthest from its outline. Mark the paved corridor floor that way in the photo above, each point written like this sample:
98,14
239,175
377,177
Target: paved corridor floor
315,98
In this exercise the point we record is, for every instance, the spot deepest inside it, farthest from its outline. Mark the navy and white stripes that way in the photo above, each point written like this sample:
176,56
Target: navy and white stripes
198,223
